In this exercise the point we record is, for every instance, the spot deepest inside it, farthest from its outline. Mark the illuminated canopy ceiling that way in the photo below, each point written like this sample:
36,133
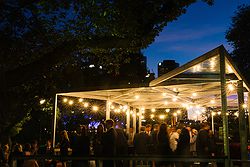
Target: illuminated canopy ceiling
195,83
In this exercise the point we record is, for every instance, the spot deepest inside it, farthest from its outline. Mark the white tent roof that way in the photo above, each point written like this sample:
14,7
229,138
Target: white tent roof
195,83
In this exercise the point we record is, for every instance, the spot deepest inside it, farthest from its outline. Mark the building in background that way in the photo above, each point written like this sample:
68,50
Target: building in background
166,65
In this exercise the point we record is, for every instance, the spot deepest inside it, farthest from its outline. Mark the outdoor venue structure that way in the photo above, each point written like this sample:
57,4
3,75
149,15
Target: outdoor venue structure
211,80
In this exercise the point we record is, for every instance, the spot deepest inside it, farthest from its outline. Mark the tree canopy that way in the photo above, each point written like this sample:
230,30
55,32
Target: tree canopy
38,38
238,36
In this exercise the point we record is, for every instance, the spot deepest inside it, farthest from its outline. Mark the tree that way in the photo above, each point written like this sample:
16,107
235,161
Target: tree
39,39
238,36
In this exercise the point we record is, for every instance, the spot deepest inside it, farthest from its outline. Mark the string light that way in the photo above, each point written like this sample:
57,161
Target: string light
219,113
174,99
178,111
230,87
65,100
137,96
175,114
95,108
71,102
153,109
167,110
86,105
244,106
80,100
194,94
212,101
162,116
152,116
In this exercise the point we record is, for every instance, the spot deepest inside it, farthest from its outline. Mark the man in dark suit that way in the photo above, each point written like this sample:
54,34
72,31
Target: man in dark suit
109,143
141,143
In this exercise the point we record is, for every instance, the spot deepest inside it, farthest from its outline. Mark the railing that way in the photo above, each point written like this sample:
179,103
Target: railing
131,159
240,163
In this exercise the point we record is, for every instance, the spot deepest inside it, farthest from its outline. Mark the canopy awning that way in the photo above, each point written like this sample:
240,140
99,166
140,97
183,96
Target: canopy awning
195,83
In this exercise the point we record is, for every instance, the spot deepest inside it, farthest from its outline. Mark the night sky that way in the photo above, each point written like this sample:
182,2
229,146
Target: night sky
200,30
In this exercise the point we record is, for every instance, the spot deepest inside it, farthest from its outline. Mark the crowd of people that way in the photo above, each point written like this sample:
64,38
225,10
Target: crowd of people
111,141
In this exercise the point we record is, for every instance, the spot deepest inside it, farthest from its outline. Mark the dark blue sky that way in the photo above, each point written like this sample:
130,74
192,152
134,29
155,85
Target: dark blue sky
201,29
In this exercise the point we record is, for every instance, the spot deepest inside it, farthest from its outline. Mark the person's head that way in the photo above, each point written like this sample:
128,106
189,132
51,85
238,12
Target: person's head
178,131
109,123
49,142
194,132
100,129
64,135
148,128
34,144
84,130
156,127
163,128
188,128
205,126
142,129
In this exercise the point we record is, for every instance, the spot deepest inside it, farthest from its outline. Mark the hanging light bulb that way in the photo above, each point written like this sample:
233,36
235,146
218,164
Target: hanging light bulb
71,102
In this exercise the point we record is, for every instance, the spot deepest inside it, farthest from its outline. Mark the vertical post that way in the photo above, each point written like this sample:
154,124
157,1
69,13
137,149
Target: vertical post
128,120
224,105
139,123
248,109
242,121
54,124
134,120
212,116
108,103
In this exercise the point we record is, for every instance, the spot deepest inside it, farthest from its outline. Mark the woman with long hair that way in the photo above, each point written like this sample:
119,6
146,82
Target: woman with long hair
163,143
64,145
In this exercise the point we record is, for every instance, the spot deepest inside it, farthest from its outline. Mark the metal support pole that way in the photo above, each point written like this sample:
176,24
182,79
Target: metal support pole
140,115
212,116
248,109
134,120
54,124
224,105
128,120
108,104
242,121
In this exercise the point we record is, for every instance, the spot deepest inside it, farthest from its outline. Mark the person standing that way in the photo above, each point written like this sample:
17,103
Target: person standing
109,143
163,143
202,143
193,142
183,146
64,145
81,147
98,144
141,143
